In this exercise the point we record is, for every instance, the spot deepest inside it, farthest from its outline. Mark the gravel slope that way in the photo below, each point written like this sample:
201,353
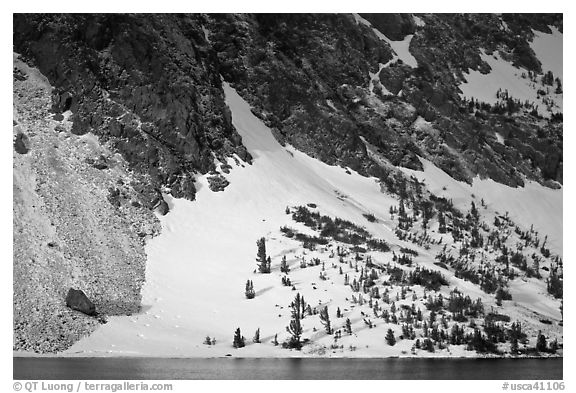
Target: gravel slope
74,225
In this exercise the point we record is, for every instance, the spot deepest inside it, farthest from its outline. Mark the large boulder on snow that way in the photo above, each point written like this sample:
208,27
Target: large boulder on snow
77,300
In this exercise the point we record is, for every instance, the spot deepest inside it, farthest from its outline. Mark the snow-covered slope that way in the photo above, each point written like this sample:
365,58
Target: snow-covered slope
505,77
549,50
197,268
533,204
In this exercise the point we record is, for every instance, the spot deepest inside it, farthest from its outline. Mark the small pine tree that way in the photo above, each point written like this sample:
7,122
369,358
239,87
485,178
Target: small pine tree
338,313
249,292
284,265
208,340
429,345
390,339
263,261
554,346
348,327
541,344
474,212
256,338
514,346
325,319
441,223
295,327
239,340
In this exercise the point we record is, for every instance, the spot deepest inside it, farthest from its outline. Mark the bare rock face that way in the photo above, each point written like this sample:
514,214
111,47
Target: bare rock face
394,26
77,300
151,86
217,182
148,85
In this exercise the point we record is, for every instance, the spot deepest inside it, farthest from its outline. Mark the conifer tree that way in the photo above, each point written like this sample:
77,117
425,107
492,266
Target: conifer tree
541,344
474,212
348,326
554,346
338,313
263,261
249,292
284,265
514,346
295,327
256,338
325,319
239,340
268,264
390,339
441,223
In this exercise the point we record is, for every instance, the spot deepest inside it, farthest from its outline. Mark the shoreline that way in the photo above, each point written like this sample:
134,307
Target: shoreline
22,355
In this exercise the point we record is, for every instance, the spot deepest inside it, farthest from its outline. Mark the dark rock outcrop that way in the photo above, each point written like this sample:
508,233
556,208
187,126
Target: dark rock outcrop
307,78
21,143
150,85
77,300
217,182
393,26
162,208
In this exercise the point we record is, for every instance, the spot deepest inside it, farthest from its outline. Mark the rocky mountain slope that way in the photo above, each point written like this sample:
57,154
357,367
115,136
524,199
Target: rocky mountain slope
77,223
140,104
441,279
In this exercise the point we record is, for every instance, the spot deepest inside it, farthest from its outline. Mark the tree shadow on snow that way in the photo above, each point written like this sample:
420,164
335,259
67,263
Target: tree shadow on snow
263,290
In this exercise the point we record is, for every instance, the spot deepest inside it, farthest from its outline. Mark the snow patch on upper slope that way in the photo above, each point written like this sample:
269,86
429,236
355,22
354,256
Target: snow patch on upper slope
532,204
549,50
401,48
504,76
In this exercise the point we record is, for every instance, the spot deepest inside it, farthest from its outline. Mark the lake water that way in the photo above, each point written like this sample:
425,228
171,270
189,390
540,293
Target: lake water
225,368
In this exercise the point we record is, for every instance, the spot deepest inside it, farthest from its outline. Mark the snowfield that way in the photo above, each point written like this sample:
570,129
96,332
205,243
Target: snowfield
504,76
549,50
197,268
401,48
532,204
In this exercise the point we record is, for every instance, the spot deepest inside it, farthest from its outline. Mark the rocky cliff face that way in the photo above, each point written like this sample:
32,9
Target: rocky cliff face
149,88
309,78
151,85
